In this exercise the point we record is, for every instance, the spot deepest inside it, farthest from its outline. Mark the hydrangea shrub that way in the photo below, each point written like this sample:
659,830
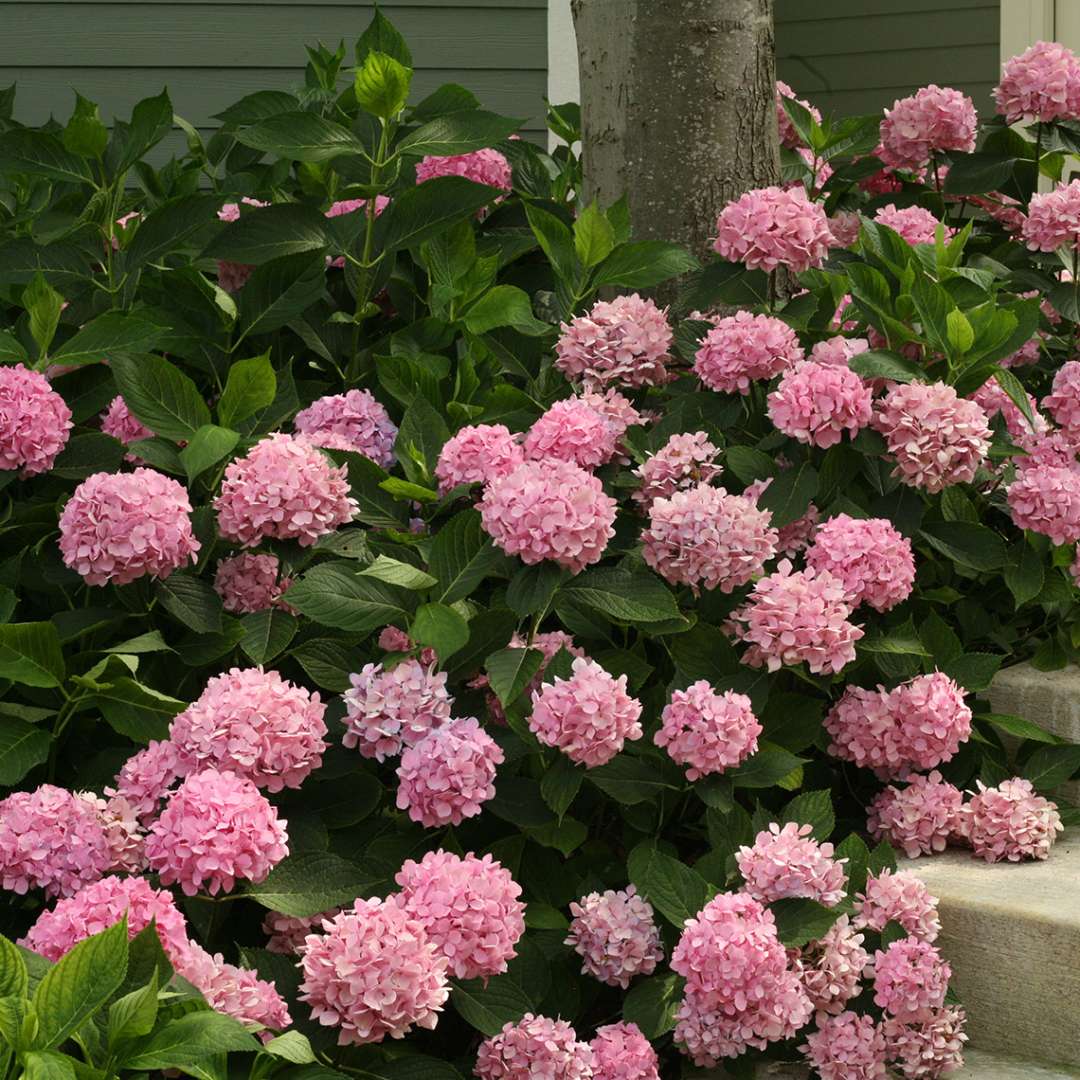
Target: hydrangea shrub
430,614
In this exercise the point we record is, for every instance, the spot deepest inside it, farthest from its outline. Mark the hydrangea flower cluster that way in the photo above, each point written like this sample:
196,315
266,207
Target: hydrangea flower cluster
256,724
992,399
625,341
901,897
285,488
216,828
145,778
449,774
119,422
831,968
928,1048
373,972
1063,401
35,421
744,348
1041,84
350,421
771,227
486,166
51,840
101,904
1045,498
235,991
549,510
286,934
684,461
705,537
936,437
469,908
708,731
797,616
621,1052
910,980
535,1046
588,716
476,455
932,119
1053,219
847,1047
740,991
1010,822
388,709
573,431
615,935
788,862
247,583
918,819
118,527
872,559
816,403
914,224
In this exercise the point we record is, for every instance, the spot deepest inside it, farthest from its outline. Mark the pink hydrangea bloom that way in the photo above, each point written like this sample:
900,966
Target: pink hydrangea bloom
708,731
684,461
615,935
231,211
789,137
933,118
286,488
936,437
102,904
934,719
549,510
287,933
616,408
145,778
51,840
838,350
532,1048
1055,448
1063,401
1011,822
742,348
817,403
449,774
705,537
788,862
1053,219
248,583
360,423
1045,498
740,991
864,728
1028,353
797,616
770,227
872,559
898,896
118,527
256,724
386,709
1042,83
234,991
476,455
930,1048
216,829
373,972
123,833
35,421
844,226
572,431
992,399
621,1052
915,224
847,1047
587,716
910,979
831,968
119,422
484,166
470,908
918,819
624,341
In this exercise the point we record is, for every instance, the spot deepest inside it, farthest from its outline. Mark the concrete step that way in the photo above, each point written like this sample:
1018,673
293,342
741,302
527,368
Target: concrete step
978,1065
1012,934
1050,699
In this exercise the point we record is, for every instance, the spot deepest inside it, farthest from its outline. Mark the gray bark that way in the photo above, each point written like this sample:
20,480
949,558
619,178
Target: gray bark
678,109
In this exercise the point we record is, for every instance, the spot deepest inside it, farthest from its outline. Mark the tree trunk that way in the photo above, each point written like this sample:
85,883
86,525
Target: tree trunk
678,109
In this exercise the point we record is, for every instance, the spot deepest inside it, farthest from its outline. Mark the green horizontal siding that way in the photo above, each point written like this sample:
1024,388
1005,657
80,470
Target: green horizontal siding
210,54
859,56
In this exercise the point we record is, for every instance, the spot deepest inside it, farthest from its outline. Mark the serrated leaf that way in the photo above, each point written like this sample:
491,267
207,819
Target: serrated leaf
206,448
251,385
441,628
394,572
30,654
812,808
160,395
267,634
800,921
462,555
333,594
1050,766
511,670
192,601
309,883
23,746
629,780
489,1007
675,890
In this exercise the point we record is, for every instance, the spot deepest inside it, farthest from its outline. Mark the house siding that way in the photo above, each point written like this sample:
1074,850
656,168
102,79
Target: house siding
210,54
859,56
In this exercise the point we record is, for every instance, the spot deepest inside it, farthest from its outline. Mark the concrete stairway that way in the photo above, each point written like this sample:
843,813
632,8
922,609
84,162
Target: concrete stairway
978,1066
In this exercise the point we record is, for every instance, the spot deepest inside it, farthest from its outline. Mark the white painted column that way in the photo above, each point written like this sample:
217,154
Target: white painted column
1023,22
563,82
